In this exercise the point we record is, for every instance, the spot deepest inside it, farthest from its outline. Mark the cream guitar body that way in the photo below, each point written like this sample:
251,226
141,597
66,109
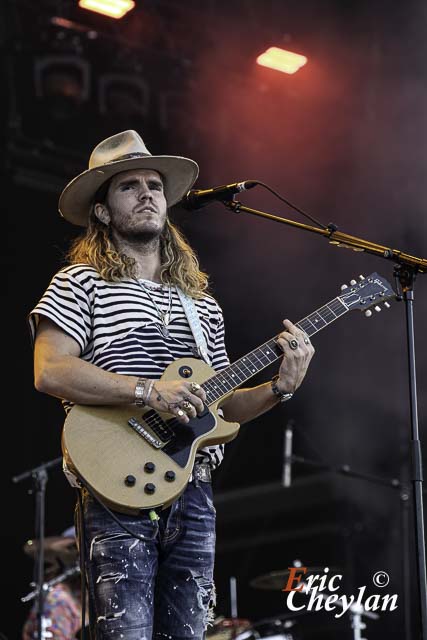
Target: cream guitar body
131,469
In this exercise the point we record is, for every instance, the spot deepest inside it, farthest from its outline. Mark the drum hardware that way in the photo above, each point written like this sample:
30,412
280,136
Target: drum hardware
355,611
233,628
47,586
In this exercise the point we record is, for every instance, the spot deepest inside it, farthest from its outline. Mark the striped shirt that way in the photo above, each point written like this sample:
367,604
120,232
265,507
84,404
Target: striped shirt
118,328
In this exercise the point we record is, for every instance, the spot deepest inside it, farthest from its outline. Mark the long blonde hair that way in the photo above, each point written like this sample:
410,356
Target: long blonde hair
179,263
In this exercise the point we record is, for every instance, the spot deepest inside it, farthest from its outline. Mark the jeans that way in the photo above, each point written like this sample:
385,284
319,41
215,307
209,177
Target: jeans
162,587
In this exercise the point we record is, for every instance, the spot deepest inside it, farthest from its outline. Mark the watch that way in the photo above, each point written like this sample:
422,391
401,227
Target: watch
283,396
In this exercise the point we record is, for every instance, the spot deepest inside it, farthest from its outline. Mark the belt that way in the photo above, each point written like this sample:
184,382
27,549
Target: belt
202,471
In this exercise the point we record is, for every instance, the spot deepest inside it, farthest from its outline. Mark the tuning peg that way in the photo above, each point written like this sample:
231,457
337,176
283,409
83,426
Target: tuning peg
377,308
353,282
368,313
387,304
344,287
361,277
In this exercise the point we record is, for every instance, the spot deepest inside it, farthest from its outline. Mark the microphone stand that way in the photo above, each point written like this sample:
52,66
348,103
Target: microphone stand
39,477
405,271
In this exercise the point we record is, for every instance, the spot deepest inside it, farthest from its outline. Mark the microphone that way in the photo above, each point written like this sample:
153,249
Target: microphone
197,198
286,478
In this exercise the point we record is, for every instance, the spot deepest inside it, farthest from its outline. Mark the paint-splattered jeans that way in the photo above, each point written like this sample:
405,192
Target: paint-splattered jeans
162,587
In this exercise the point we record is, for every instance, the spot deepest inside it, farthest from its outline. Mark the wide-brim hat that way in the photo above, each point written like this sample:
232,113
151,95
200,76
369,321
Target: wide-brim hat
122,152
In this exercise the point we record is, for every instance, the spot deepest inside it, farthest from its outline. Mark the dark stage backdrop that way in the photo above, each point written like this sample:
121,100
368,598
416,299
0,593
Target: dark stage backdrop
345,140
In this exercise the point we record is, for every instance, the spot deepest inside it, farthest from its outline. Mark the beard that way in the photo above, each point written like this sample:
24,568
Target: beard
147,238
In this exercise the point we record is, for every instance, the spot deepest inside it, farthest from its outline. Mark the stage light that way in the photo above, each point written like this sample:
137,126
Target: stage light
111,8
281,60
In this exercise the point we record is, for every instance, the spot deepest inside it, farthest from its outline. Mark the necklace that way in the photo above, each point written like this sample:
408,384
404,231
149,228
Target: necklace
165,316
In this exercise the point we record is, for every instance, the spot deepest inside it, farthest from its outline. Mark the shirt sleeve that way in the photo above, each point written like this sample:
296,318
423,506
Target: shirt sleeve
67,304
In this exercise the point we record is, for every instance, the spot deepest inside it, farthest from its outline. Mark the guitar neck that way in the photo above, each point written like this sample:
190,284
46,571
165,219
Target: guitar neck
247,366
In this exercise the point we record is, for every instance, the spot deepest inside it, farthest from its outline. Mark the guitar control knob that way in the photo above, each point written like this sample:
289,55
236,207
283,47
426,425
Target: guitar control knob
149,467
130,481
170,476
150,488
353,282
344,287
368,313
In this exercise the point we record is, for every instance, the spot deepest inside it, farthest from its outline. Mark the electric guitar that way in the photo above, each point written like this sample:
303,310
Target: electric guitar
136,458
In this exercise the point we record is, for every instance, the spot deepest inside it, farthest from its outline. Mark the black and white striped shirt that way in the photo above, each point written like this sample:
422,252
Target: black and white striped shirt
117,327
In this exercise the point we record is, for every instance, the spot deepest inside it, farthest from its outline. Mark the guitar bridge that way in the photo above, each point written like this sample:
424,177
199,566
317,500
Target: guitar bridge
142,431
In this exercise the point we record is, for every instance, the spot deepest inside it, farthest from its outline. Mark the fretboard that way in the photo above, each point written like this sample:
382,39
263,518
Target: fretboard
252,363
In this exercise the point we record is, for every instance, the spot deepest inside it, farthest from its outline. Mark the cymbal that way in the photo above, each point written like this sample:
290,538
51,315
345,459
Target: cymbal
56,548
276,580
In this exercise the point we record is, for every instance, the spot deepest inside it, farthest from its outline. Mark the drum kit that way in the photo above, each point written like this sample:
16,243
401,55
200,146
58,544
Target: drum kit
285,626
61,561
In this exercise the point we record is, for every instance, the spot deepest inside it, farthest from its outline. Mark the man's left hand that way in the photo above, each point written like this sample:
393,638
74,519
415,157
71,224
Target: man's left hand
297,354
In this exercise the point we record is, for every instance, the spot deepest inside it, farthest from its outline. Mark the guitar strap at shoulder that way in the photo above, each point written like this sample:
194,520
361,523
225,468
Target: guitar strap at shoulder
195,326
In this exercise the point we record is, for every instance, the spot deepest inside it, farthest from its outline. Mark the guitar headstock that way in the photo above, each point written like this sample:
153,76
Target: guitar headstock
372,291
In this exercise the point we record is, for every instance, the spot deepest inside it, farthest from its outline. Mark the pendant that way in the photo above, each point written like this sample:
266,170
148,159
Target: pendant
164,331
166,318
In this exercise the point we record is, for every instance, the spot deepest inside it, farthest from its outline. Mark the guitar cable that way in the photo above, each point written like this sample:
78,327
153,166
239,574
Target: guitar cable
152,515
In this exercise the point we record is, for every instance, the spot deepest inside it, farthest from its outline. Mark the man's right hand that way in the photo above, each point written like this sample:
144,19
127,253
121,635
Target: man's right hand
183,399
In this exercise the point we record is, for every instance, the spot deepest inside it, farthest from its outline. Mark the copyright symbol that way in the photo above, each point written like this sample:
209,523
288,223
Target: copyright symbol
381,579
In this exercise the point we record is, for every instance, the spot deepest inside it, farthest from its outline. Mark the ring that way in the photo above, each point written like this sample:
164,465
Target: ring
187,406
194,387
306,340
293,344
180,413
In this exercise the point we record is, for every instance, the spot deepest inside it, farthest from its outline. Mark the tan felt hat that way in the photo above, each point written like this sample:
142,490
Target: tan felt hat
122,152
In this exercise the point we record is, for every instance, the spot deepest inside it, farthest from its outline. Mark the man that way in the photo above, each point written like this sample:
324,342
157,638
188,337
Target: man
105,330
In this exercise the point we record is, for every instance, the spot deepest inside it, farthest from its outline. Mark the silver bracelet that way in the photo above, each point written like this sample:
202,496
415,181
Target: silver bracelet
139,392
147,390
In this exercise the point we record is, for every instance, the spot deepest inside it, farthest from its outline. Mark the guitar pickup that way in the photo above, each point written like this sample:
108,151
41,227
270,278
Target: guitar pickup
142,431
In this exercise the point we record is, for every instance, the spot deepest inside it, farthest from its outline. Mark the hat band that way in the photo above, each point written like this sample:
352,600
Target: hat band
130,156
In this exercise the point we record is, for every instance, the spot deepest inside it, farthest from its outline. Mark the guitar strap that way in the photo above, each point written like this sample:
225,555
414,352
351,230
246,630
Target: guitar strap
195,326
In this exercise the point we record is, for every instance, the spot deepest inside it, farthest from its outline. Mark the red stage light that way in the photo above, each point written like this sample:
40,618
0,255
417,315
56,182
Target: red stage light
281,60
111,8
